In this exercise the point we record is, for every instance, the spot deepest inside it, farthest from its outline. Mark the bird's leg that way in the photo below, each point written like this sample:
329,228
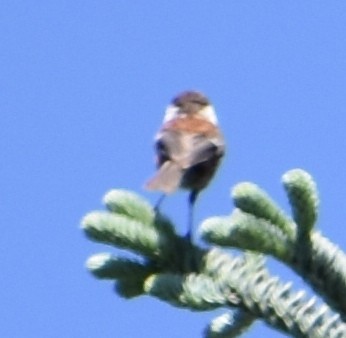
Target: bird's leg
158,203
192,199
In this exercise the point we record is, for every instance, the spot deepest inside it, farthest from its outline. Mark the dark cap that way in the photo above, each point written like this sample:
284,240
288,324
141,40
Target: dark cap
190,97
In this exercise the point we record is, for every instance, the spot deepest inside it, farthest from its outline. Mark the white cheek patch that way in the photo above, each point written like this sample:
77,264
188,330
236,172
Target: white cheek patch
209,114
171,113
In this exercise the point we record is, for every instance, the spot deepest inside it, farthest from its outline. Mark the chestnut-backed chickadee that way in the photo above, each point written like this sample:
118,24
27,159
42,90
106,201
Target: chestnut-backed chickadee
188,146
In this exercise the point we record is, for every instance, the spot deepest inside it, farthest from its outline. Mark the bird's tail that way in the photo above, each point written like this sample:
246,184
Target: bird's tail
167,179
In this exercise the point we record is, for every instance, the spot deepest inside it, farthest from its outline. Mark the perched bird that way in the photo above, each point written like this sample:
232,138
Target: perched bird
188,147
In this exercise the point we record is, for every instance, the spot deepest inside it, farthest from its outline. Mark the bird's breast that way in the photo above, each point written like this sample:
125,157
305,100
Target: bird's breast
192,125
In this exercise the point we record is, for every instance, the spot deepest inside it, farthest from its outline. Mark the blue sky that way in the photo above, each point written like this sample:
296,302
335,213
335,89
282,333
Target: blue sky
83,88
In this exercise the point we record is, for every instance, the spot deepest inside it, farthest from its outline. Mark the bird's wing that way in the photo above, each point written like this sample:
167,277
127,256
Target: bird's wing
187,149
203,149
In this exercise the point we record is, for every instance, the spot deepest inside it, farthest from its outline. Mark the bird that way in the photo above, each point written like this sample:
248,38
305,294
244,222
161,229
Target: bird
189,147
